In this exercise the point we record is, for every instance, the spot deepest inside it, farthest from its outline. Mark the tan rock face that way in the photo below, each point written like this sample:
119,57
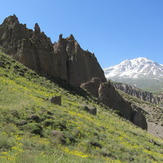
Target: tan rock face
65,59
31,48
80,66
107,94
92,86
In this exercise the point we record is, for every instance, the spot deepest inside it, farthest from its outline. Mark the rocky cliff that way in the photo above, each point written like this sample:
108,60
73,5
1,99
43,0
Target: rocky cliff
107,94
65,59
143,95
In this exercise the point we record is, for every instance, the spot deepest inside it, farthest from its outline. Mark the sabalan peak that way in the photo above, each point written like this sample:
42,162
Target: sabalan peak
135,68
137,72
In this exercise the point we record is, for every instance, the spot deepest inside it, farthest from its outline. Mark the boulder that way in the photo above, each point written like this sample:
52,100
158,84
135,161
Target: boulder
92,86
58,134
1,64
22,122
91,110
35,118
58,137
95,144
56,100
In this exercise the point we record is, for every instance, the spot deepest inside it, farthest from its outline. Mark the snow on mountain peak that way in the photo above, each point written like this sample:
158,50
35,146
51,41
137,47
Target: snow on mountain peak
135,68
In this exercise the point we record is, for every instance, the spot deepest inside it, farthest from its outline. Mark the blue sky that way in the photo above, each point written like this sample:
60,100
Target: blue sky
114,30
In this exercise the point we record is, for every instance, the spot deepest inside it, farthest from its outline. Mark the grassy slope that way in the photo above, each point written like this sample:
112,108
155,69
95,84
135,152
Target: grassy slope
27,119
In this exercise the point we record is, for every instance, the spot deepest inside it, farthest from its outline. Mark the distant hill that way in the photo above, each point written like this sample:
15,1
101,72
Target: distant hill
134,91
141,72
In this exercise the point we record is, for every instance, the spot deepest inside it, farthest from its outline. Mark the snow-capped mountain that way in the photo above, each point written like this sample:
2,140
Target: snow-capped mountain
135,68
140,72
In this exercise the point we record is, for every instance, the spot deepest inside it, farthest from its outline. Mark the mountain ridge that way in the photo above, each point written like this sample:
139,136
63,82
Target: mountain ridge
134,91
140,72
134,68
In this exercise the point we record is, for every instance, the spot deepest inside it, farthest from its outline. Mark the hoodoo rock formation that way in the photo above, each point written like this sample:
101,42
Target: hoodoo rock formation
65,59
79,65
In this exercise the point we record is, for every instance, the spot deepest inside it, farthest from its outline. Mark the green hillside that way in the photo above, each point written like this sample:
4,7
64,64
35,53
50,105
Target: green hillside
28,119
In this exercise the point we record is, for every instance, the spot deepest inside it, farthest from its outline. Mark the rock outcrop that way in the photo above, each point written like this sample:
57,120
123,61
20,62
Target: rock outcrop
92,86
107,94
79,65
56,100
64,59
143,95
32,48
91,110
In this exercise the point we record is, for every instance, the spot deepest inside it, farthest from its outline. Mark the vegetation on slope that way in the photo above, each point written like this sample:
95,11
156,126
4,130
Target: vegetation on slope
28,119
